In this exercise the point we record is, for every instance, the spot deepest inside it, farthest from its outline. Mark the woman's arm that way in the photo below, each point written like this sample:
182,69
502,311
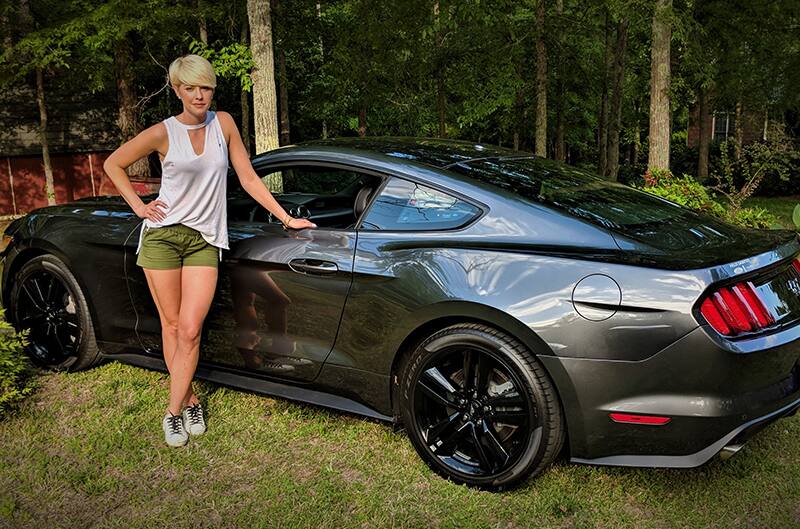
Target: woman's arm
149,140
250,180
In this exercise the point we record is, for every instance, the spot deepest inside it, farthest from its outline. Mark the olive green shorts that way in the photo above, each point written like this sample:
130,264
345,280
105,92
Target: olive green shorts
175,246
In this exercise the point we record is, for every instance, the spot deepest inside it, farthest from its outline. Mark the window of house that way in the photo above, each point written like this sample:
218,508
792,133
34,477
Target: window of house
724,125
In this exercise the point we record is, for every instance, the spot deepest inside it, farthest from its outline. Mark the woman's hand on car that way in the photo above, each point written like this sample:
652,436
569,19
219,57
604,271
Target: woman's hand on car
299,224
152,211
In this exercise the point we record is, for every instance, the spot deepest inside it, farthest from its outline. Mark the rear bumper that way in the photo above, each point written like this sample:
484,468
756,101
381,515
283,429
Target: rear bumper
715,394
734,439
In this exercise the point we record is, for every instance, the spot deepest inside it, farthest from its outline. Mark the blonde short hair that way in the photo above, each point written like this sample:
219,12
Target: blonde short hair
192,70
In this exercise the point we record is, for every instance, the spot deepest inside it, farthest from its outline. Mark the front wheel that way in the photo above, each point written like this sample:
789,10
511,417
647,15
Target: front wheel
47,299
479,408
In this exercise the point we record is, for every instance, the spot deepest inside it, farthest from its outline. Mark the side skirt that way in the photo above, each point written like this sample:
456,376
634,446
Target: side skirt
267,387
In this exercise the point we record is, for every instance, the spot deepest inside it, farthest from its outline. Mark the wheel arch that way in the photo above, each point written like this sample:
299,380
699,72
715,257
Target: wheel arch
441,315
34,248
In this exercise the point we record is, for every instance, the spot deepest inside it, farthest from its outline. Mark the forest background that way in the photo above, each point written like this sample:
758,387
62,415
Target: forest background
609,85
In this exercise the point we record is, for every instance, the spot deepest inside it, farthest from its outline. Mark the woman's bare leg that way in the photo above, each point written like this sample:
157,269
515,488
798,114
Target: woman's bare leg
165,287
198,284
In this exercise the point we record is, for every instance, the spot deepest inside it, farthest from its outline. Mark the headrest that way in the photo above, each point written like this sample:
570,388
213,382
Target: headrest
361,200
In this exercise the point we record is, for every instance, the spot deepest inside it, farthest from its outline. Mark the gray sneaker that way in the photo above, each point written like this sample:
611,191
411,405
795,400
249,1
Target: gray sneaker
174,432
193,419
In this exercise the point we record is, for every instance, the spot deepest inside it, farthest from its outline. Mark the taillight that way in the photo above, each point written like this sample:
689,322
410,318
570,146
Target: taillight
737,309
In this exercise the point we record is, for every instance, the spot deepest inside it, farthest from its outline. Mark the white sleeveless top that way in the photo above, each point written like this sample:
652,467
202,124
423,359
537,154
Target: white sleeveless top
194,186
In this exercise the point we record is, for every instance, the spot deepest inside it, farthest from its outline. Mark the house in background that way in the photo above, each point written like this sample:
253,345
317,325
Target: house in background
723,125
81,131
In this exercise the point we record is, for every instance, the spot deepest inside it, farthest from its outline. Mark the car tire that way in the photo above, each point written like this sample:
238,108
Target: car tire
493,428
47,299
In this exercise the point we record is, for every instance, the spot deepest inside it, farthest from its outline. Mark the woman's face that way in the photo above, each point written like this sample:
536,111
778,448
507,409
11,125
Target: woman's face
195,99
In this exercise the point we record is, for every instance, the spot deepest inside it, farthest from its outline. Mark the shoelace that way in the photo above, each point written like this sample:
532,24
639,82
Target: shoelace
195,414
175,424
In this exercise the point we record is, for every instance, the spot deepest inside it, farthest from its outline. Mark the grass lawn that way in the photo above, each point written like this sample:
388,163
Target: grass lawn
782,207
87,450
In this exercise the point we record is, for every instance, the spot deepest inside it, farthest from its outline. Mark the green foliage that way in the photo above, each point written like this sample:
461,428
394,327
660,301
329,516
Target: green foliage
683,190
796,216
738,178
690,193
231,61
755,217
403,63
15,383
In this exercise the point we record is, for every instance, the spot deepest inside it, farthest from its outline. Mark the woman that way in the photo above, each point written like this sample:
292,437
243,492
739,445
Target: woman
184,230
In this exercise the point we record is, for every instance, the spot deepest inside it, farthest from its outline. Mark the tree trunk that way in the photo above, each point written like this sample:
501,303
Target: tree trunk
49,187
637,142
322,57
284,96
362,121
5,28
440,95
738,136
559,150
560,147
602,125
704,118
283,79
659,87
615,113
541,85
519,119
244,98
440,102
127,118
265,104
201,23
264,94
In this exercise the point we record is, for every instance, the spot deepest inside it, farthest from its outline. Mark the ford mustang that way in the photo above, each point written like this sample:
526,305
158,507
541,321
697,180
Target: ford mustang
504,309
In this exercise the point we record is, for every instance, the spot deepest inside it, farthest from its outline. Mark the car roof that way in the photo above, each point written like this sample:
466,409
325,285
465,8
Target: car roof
433,152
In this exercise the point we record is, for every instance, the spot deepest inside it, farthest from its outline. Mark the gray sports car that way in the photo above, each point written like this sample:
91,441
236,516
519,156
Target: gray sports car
500,306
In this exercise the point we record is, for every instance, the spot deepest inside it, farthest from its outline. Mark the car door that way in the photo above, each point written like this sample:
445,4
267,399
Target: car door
393,276
281,293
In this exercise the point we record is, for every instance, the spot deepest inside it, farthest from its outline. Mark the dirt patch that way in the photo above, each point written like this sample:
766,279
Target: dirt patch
636,509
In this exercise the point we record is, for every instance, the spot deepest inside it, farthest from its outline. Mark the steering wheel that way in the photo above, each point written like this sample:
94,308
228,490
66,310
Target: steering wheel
260,214
300,212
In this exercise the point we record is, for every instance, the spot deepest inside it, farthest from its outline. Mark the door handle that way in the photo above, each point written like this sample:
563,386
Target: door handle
313,266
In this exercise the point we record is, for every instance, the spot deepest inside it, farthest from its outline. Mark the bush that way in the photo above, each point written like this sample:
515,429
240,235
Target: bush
783,177
765,167
15,370
757,217
689,193
683,190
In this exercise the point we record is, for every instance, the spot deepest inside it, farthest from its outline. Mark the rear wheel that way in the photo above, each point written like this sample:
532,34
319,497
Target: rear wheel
46,298
479,408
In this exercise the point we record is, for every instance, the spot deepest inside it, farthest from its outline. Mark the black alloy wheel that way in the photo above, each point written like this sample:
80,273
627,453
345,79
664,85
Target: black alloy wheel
479,409
47,300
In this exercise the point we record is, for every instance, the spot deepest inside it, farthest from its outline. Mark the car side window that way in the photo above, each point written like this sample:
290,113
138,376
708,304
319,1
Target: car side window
325,195
408,206
317,180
